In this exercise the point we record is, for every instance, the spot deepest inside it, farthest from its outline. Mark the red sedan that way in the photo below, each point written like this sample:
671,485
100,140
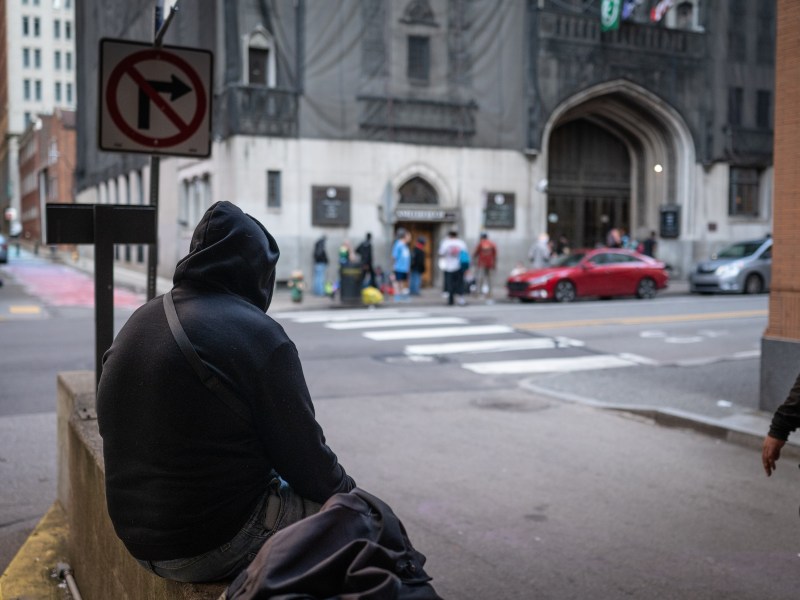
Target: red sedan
602,272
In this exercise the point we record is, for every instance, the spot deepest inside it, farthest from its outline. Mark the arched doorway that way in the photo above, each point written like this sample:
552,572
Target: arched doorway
589,189
624,119
417,192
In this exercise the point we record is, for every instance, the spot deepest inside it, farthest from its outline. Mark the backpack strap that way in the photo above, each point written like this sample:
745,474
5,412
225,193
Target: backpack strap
208,378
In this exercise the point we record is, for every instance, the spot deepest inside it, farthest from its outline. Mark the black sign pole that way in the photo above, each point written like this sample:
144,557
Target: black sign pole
103,283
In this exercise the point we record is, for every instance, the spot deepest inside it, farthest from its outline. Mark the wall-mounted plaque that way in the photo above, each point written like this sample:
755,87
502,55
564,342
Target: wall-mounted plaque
500,208
330,206
670,222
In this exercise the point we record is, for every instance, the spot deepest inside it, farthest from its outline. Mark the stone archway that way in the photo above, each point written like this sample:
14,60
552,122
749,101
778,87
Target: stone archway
626,129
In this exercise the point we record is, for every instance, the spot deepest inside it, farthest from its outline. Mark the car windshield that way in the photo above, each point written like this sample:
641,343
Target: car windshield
740,250
568,260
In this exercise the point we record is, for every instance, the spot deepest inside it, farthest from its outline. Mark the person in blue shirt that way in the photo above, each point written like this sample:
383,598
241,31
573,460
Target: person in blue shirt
401,255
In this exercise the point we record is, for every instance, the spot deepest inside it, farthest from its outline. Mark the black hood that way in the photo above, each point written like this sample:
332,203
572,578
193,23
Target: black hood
232,251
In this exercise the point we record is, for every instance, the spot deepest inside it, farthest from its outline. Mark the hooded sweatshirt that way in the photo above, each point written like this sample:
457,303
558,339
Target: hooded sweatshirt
183,470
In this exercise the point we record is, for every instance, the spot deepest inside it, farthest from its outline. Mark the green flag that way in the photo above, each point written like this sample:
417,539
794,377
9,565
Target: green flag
609,14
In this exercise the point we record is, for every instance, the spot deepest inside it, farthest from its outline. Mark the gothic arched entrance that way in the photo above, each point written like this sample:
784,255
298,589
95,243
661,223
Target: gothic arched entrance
416,195
589,183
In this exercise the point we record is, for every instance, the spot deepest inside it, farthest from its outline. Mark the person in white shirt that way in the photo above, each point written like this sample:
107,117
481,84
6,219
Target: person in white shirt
450,251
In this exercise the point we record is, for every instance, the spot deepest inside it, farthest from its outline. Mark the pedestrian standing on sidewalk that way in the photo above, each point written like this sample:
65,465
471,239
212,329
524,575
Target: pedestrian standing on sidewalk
320,267
485,260
450,262
209,436
785,420
364,251
417,266
401,255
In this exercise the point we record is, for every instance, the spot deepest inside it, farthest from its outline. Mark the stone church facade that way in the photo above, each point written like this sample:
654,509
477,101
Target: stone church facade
514,117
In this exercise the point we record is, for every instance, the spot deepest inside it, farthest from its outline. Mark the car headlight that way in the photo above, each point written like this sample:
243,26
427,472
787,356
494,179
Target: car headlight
731,270
541,279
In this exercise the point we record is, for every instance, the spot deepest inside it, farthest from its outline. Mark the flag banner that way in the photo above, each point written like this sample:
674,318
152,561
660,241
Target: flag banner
609,14
628,7
660,9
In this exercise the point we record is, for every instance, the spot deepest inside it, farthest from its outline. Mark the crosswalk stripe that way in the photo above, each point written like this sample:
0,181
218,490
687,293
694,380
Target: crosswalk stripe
548,365
490,346
435,332
345,315
397,323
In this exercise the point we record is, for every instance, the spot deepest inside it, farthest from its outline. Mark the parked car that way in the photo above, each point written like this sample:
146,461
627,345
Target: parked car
603,272
743,267
3,249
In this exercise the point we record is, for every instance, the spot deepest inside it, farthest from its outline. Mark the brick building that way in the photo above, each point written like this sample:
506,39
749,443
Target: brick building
46,167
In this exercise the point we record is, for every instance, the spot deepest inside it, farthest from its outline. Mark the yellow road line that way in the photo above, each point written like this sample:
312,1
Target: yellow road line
739,314
25,310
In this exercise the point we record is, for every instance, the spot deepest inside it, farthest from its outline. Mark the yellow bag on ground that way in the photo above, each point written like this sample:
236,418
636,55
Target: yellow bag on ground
371,295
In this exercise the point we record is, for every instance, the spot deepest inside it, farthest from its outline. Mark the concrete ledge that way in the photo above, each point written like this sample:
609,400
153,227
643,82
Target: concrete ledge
78,530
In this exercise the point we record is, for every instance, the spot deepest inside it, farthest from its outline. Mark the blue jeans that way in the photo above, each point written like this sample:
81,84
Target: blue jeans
415,283
320,270
278,507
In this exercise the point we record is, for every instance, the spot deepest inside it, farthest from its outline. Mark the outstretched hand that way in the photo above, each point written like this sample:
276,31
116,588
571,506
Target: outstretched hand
770,453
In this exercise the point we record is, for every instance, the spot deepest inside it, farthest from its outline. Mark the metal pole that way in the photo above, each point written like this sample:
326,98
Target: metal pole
103,285
155,161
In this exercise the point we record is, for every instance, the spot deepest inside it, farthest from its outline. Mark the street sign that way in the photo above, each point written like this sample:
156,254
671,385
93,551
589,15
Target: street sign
155,100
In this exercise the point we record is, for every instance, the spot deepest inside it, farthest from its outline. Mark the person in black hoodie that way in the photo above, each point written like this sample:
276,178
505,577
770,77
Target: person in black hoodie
194,484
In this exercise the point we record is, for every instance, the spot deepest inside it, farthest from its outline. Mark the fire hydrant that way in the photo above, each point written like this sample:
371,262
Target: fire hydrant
296,285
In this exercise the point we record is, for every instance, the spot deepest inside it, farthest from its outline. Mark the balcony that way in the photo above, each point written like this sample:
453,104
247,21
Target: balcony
561,28
251,110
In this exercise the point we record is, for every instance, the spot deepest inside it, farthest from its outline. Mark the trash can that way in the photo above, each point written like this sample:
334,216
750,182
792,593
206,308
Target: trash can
350,277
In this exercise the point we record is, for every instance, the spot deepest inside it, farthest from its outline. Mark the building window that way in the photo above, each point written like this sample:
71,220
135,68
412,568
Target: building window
261,68
735,106
57,60
37,93
419,58
69,93
68,30
195,199
763,109
273,189
68,56
37,59
765,38
27,118
26,89
743,192
58,91
57,29
37,27
26,26
26,57
258,59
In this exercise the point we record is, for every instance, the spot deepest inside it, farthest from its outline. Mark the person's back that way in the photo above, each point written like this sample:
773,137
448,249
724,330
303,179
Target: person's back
184,470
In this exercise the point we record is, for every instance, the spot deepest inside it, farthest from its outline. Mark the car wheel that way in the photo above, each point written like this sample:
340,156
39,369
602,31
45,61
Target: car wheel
564,292
646,289
753,284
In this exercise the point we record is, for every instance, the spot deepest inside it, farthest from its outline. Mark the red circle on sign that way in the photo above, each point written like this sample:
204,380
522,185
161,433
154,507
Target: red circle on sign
185,130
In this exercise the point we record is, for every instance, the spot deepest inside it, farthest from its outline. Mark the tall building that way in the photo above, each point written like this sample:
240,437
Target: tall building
514,116
37,75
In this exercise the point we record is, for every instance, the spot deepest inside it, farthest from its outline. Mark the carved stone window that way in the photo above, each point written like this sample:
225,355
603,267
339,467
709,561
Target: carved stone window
419,12
418,191
260,56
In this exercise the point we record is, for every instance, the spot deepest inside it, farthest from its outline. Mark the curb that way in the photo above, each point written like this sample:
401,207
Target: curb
31,575
740,435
